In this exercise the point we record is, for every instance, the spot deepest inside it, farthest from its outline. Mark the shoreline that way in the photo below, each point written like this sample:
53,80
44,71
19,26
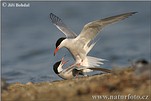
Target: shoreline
113,85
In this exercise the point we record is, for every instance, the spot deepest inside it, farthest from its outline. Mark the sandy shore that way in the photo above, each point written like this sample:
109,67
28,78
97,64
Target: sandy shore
116,86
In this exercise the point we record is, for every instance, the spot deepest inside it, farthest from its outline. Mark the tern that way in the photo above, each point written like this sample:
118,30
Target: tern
73,71
80,45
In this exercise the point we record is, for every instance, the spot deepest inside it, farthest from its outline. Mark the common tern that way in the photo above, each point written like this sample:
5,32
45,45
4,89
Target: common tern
80,45
73,71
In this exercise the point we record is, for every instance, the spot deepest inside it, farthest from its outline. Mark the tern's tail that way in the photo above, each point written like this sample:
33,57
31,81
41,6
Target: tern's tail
92,61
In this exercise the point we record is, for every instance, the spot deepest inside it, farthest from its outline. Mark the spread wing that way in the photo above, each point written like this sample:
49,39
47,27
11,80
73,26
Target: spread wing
90,30
61,26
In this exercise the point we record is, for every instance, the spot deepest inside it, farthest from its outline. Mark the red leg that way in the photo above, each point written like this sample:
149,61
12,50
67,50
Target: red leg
79,64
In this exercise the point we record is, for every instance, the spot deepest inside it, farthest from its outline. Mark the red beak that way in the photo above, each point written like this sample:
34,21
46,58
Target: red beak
56,50
64,62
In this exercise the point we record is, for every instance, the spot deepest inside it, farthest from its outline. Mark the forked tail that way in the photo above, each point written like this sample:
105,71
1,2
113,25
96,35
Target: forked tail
92,61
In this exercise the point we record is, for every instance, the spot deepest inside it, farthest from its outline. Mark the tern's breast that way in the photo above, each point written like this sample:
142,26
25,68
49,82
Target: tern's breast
76,49
66,75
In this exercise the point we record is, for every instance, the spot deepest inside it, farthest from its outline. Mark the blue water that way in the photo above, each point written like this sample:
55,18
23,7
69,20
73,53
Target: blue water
28,36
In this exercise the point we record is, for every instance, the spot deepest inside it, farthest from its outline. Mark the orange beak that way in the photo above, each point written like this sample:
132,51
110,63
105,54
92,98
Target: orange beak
56,50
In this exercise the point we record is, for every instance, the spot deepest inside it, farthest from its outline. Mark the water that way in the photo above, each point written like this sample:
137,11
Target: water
28,36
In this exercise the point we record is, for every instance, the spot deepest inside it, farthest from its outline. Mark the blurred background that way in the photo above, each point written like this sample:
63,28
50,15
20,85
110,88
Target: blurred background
29,37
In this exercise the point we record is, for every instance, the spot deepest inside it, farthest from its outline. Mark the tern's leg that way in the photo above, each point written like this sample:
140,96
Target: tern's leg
79,64
76,76
78,73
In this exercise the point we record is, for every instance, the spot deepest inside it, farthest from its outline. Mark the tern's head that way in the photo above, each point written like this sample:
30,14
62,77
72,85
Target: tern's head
59,44
57,67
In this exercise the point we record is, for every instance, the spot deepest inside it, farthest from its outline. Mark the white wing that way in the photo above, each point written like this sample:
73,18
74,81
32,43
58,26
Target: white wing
61,26
90,61
90,30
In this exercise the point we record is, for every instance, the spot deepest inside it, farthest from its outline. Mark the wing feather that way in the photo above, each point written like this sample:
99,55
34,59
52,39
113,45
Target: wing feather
90,30
62,27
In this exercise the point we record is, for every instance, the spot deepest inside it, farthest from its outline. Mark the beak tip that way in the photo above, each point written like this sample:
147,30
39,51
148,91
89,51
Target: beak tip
56,51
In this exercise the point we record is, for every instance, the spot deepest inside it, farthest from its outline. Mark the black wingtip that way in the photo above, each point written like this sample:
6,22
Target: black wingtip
54,18
51,15
131,13
134,12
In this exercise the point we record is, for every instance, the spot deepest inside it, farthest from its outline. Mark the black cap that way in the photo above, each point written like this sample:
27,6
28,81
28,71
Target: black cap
55,67
59,41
